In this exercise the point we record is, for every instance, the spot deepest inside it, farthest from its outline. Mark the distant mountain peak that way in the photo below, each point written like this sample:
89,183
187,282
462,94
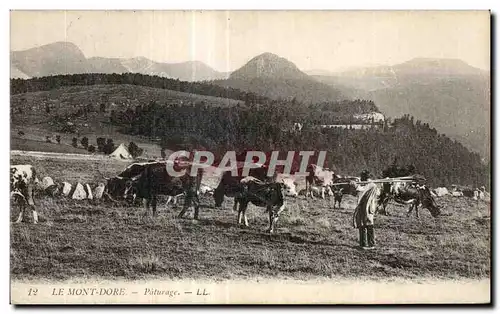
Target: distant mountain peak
436,62
269,65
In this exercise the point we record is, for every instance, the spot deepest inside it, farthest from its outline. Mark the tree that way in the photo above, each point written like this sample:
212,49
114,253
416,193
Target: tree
134,150
85,142
47,108
91,149
102,107
74,142
58,139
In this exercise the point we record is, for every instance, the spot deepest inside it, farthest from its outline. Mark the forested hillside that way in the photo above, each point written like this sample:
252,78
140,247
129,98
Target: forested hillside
441,160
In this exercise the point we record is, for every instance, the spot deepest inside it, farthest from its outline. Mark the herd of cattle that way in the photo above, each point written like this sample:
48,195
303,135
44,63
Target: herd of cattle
147,180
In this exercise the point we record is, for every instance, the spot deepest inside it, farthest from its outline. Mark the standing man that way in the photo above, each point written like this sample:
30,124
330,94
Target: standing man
364,214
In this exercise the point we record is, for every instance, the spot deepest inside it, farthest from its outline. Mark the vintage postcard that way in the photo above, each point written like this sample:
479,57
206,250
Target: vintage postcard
250,157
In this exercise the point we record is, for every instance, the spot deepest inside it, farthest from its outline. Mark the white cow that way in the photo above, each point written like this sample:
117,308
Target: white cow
441,191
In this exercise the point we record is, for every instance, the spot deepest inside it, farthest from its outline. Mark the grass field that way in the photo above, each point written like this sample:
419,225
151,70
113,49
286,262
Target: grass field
89,239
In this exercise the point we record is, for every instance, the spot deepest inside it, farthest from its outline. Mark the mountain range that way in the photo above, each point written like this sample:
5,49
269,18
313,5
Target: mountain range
449,94
66,58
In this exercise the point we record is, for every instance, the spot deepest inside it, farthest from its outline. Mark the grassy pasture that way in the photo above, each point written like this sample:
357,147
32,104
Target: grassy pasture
89,239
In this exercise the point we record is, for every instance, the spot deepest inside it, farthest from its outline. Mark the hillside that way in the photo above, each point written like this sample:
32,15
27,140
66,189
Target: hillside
66,58
28,113
16,73
275,77
449,94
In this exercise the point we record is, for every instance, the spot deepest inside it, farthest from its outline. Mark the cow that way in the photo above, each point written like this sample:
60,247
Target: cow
229,185
349,185
22,183
155,180
441,191
317,176
316,191
413,194
270,195
338,193
115,186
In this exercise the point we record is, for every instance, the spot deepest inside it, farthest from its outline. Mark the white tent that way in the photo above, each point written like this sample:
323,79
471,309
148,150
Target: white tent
121,153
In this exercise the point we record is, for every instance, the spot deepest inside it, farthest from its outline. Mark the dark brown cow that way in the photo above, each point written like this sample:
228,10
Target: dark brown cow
155,180
229,185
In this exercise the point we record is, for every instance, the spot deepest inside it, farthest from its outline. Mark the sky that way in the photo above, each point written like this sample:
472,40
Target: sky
226,40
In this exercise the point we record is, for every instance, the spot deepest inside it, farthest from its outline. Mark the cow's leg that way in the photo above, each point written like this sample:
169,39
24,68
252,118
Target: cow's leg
238,220
245,214
235,205
241,211
21,214
145,203
153,204
187,203
270,211
273,217
169,199
35,215
196,203
410,210
323,193
219,196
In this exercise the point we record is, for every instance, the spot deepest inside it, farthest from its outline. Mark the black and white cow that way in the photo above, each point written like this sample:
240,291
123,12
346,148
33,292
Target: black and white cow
411,194
270,195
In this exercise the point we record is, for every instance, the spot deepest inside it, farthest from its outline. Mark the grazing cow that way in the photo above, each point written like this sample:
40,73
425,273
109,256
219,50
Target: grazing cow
115,186
468,192
269,195
338,193
319,177
155,180
22,183
316,191
412,194
229,185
